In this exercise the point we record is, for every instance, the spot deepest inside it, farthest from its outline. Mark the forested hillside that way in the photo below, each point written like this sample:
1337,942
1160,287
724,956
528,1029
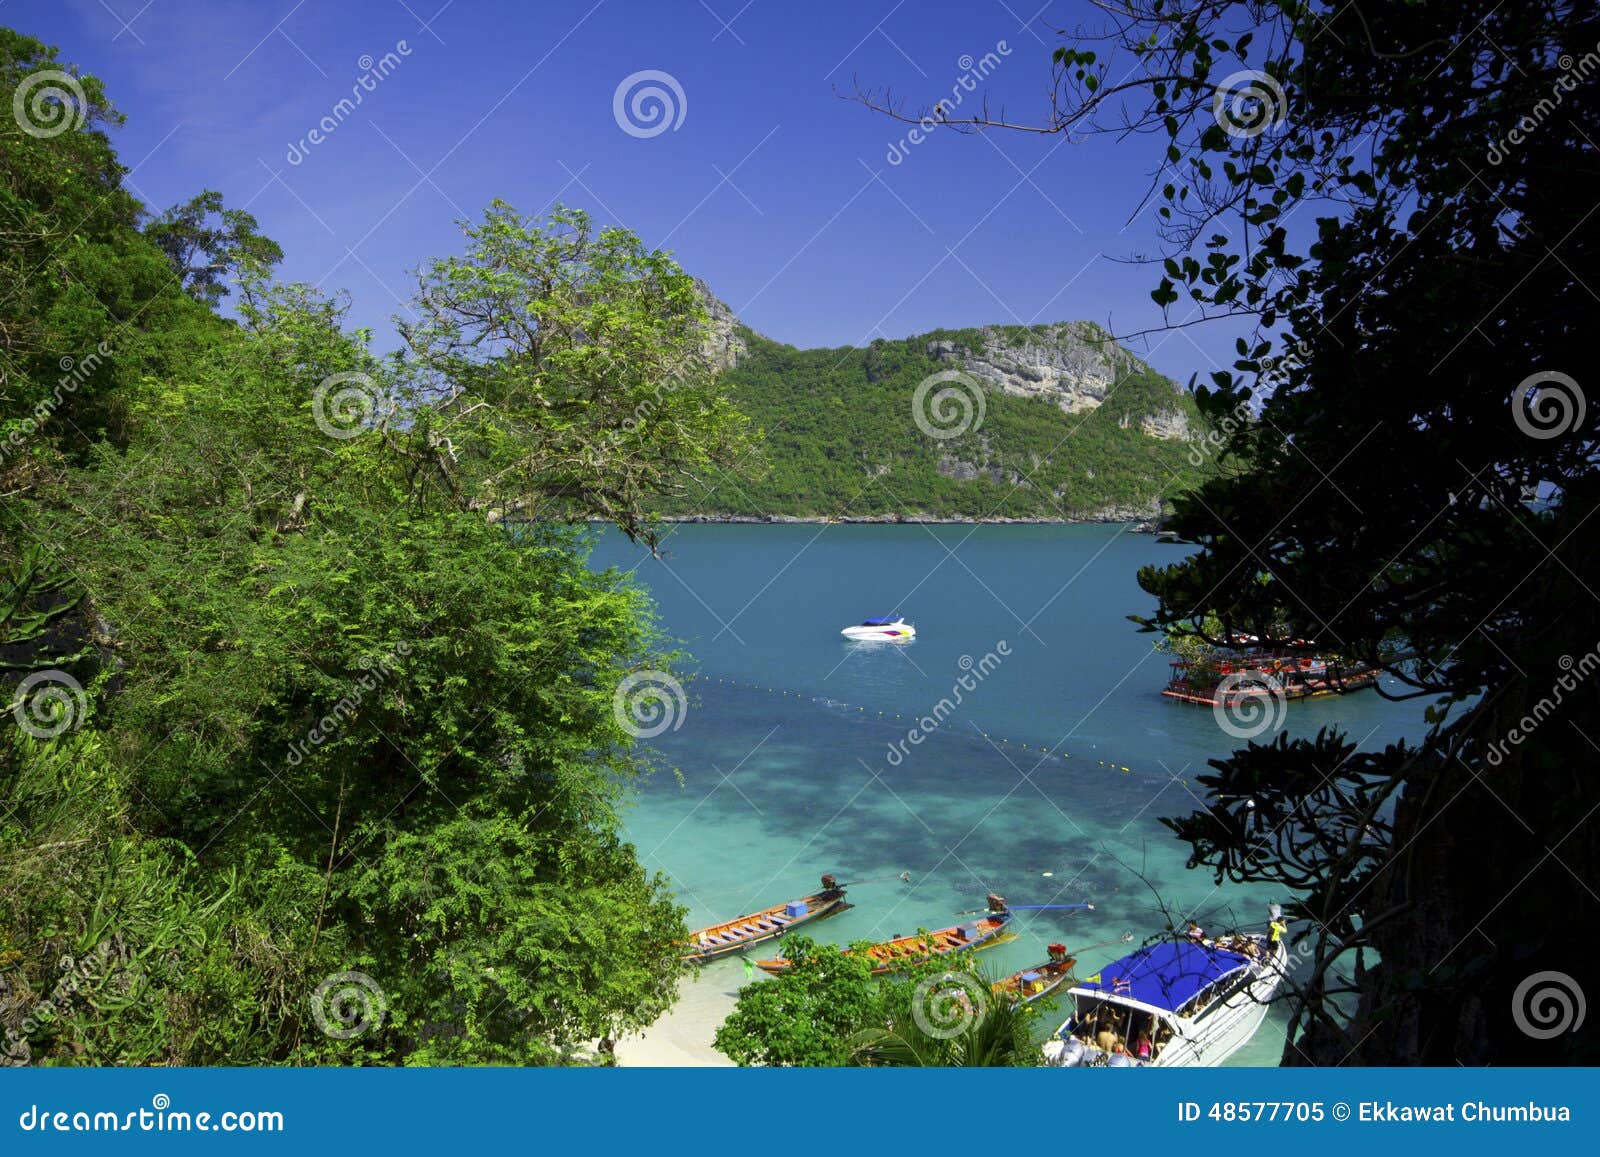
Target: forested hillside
842,436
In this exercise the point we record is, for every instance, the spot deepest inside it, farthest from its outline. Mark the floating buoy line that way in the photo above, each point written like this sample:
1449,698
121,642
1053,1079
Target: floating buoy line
1035,749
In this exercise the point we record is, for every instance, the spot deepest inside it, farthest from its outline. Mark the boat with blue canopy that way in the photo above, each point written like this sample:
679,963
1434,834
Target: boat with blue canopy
1173,1003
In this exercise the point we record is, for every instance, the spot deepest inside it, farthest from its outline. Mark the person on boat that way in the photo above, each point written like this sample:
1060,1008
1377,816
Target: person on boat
1196,933
1107,1039
1144,1050
1278,929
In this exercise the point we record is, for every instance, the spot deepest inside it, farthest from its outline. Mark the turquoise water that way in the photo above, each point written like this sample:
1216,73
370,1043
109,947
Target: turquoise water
781,785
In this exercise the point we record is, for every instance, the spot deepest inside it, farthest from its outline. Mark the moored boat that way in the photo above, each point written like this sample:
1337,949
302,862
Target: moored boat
1172,1004
885,628
905,951
1041,980
768,924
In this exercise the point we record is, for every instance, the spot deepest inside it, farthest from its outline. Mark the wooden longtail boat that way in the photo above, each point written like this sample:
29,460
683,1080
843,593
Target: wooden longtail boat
768,924
1039,981
904,951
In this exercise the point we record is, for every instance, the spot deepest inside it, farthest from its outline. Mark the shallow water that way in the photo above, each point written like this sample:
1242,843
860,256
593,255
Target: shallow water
794,747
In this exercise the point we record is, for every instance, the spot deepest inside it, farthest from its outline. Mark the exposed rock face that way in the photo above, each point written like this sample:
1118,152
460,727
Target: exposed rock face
1074,364
723,345
1168,425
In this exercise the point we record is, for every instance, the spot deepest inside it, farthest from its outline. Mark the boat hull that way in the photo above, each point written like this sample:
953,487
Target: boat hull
1207,1040
879,634
1210,1042
1053,974
906,951
725,939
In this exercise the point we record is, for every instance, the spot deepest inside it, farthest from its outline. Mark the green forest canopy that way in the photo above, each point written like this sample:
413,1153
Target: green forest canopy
315,761
840,440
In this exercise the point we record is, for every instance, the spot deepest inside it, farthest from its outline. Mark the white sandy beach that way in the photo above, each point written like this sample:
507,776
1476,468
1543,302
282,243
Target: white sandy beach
682,1038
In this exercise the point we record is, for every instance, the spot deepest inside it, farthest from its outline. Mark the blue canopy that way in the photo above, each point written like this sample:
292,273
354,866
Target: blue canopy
881,621
1166,975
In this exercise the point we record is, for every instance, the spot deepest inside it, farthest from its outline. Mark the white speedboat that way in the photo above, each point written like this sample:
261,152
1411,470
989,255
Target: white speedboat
888,628
1172,1004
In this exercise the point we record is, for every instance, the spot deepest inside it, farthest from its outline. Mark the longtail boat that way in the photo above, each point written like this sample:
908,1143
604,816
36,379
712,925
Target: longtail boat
905,951
768,924
1039,981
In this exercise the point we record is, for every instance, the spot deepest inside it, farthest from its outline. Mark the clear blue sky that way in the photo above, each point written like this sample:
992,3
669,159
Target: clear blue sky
771,188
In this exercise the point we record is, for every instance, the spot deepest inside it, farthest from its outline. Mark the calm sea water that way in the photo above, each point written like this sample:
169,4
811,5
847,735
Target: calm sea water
793,751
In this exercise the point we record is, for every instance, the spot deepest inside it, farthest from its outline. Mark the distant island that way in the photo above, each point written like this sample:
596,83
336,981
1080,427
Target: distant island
1046,423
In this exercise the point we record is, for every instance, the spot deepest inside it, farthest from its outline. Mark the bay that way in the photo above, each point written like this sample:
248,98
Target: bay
1050,758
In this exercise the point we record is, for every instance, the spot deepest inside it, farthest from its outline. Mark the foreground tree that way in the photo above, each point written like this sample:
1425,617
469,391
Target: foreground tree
310,758
570,364
829,1010
1395,199
208,243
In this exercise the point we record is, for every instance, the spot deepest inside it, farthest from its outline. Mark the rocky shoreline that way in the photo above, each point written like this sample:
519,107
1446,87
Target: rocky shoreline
1141,522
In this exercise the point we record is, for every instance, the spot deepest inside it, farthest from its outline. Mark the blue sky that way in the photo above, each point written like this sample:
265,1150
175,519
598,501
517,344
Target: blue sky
770,187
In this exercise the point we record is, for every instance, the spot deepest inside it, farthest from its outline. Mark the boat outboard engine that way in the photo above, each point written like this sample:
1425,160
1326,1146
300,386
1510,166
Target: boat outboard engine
1057,951
830,882
997,902
1064,1054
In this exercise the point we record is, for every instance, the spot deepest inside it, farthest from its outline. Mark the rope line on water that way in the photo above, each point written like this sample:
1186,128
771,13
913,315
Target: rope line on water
1037,749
